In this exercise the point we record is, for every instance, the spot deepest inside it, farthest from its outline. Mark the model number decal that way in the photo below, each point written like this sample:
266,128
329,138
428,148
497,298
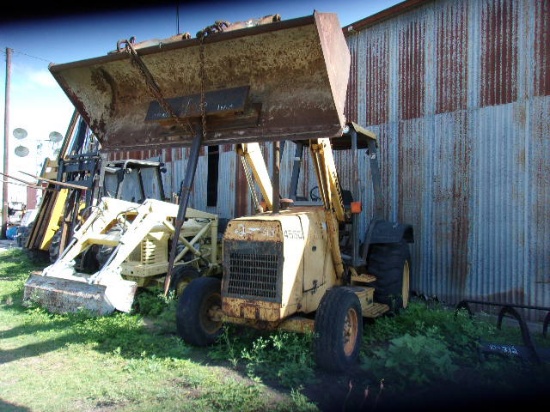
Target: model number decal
293,234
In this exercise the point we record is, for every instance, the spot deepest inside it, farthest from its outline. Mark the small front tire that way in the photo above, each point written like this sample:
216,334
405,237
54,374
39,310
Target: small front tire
198,300
338,330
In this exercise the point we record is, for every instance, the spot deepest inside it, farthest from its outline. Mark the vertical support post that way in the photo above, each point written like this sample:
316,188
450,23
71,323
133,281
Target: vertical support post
187,184
5,169
376,180
356,195
276,170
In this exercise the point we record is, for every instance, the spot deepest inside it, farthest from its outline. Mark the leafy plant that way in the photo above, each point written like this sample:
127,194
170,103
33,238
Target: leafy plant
417,360
278,355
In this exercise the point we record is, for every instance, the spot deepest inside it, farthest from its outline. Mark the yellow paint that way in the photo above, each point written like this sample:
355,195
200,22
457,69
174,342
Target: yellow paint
55,220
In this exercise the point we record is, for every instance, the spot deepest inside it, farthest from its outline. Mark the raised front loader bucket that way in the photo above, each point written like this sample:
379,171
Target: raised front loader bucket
282,80
63,295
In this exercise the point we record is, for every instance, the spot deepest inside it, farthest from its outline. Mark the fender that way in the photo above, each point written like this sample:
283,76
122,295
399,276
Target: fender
384,231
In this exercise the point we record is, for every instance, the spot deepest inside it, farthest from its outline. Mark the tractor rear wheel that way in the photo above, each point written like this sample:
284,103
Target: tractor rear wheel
390,263
194,322
338,330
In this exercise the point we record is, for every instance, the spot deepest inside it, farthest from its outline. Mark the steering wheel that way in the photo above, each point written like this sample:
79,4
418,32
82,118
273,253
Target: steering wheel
314,194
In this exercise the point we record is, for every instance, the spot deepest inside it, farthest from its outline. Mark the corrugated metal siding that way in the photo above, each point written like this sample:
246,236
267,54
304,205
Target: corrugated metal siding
458,93
227,182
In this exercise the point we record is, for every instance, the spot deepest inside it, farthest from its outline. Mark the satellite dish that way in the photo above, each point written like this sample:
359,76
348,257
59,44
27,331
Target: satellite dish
21,151
19,133
56,137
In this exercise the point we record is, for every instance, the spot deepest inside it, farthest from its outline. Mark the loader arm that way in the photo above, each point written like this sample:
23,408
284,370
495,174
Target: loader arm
251,154
93,230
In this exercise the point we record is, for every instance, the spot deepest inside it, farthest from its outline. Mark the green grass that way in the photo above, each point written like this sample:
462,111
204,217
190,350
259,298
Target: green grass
136,362
52,362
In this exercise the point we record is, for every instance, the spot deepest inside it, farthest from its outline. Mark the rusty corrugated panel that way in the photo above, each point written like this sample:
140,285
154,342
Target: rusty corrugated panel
541,80
378,70
228,195
499,41
464,148
386,14
370,72
412,68
452,70
351,97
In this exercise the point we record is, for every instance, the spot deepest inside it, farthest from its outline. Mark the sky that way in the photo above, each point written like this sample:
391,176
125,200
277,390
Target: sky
40,36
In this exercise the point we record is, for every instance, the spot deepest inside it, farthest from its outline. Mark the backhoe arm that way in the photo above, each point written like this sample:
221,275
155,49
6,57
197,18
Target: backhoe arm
325,168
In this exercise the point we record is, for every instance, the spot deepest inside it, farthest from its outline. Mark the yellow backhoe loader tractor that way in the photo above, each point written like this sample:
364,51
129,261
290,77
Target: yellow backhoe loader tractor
302,267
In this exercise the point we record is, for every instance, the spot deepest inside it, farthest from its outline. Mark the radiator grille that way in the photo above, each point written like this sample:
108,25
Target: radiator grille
254,272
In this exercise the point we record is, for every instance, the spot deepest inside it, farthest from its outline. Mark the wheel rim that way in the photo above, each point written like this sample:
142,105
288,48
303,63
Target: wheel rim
351,326
212,303
406,284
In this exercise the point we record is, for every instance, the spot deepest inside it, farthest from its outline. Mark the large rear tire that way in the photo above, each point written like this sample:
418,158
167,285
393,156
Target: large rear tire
390,263
338,330
193,320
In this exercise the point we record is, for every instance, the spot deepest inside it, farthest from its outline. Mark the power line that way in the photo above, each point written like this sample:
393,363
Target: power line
25,54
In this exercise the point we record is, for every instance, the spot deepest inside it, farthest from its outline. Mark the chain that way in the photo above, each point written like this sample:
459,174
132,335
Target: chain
154,88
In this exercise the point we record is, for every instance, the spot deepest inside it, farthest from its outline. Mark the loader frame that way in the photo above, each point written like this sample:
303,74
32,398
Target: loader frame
138,256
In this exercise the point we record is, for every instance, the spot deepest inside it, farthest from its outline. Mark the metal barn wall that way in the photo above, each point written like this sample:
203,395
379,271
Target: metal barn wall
458,92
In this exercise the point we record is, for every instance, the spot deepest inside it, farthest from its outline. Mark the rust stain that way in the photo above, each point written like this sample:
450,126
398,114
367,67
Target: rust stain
412,71
452,38
499,64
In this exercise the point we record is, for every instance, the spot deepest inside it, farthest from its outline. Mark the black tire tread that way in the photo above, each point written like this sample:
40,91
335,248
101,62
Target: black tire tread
386,262
328,342
192,308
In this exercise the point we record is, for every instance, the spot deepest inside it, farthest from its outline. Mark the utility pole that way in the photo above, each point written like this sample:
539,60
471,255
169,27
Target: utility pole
5,169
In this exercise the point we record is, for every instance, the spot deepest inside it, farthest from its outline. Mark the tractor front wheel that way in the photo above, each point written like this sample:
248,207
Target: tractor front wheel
198,300
338,330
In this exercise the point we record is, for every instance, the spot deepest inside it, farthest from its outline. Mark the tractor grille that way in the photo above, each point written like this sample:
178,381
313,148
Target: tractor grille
253,270
152,249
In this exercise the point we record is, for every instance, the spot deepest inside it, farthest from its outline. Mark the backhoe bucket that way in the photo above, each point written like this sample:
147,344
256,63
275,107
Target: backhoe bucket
281,80
65,295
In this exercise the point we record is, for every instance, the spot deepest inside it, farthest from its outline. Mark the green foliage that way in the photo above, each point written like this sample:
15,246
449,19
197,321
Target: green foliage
416,360
277,355
153,302
15,267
